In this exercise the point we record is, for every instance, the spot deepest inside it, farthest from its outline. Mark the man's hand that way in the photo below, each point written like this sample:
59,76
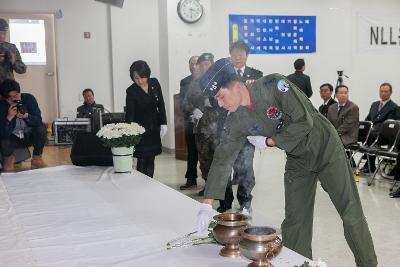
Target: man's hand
22,116
13,58
197,114
204,218
258,141
12,112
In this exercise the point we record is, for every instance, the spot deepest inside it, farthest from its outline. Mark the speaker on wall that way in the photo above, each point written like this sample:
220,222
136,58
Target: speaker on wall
118,3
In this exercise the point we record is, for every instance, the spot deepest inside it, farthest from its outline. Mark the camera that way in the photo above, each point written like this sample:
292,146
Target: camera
6,53
20,107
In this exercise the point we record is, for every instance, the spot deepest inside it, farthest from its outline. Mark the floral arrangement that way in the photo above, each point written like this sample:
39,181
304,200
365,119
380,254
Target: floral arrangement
120,134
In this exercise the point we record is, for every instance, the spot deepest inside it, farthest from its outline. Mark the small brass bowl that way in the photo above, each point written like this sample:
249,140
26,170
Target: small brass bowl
227,232
260,244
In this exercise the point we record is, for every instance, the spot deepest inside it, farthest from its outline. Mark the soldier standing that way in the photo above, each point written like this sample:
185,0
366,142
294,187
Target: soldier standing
10,59
273,112
243,173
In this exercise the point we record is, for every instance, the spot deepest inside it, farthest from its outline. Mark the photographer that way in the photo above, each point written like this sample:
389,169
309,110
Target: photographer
20,124
10,59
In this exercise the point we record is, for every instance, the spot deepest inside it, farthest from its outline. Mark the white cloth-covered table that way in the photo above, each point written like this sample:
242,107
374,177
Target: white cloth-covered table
75,216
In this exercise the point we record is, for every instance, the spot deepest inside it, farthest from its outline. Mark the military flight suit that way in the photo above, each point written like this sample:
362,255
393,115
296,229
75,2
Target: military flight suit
6,68
207,128
314,151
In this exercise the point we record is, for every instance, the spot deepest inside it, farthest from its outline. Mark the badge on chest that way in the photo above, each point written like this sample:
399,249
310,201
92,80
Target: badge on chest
274,113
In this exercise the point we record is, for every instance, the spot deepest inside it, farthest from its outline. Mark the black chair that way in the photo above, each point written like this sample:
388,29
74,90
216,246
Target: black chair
364,130
384,147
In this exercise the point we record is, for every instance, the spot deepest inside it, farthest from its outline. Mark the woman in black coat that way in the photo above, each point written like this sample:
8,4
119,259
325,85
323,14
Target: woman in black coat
145,106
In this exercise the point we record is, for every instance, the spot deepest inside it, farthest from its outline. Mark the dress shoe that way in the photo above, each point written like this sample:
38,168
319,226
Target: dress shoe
366,170
201,193
189,184
8,163
223,208
395,194
37,163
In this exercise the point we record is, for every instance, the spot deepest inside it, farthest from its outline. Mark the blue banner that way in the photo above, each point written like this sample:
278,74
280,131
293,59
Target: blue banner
274,34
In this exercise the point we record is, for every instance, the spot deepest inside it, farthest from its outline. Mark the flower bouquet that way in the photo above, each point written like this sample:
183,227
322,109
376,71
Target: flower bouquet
121,137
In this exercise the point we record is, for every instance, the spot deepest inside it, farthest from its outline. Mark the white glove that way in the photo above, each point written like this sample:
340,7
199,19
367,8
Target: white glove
258,141
163,130
204,218
197,114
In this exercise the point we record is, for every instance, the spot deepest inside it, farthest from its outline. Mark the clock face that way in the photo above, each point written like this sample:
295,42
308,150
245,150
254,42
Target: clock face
190,11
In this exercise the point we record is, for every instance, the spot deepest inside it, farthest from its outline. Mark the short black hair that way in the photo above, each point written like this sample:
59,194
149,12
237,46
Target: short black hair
7,86
299,63
141,68
241,45
329,86
341,86
387,84
3,25
87,90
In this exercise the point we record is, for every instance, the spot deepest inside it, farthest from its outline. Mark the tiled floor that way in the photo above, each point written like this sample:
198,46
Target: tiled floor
382,212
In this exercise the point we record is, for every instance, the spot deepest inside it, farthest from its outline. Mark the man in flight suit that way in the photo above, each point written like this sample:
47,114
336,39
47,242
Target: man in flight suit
273,112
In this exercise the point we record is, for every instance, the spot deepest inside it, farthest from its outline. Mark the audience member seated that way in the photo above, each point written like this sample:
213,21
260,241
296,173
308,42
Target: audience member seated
380,111
344,116
325,92
86,110
300,79
20,124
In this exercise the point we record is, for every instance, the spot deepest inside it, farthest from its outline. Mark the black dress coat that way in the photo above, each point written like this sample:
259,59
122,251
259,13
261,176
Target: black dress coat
302,81
377,116
323,109
148,110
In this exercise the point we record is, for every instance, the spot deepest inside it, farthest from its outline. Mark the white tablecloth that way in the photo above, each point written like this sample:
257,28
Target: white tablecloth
74,216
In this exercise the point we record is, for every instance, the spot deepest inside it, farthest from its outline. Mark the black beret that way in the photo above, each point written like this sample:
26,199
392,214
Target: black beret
217,76
205,57
3,25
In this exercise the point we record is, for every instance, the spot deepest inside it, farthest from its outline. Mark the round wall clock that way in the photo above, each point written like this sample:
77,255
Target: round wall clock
190,11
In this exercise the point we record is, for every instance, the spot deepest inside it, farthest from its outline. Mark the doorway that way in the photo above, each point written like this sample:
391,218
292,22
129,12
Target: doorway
34,36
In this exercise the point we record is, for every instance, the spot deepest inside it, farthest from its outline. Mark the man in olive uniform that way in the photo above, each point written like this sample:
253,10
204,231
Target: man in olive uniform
243,173
273,112
10,59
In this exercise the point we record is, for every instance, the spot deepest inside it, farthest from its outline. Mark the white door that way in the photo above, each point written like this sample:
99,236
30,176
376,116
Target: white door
34,36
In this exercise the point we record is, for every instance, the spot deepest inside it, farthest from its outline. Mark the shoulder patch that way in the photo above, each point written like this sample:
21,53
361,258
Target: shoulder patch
283,86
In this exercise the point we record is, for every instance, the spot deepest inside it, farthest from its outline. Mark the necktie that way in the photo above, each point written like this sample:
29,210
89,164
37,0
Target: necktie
239,72
380,106
340,108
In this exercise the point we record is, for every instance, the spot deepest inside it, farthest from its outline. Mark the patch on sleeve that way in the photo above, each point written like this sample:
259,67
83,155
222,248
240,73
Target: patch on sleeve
274,113
283,86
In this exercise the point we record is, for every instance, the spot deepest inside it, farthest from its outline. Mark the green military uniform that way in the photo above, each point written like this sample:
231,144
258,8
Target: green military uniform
6,68
314,152
206,129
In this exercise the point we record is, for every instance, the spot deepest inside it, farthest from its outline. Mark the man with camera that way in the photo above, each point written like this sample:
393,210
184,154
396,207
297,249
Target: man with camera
20,124
10,59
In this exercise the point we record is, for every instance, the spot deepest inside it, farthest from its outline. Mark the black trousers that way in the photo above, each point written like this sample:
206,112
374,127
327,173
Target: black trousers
146,166
35,136
243,170
192,156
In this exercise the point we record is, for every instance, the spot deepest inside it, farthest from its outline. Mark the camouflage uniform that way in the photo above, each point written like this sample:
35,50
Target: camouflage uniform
6,68
207,128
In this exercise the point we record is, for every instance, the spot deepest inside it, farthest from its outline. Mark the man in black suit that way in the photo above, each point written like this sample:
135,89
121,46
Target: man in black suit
192,155
325,92
380,111
243,173
300,79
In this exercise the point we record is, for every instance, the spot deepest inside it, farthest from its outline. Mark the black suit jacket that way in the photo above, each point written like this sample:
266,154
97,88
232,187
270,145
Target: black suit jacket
251,74
378,117
323,109
302,81
184,86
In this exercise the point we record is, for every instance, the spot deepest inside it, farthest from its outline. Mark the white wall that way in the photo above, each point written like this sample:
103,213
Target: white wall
151,30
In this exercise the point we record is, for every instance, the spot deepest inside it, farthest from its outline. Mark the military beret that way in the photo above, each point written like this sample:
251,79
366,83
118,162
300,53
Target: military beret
205,57
3,25
217,76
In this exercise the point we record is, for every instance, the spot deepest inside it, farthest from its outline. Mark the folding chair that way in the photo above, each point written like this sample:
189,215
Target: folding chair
384,147
364,129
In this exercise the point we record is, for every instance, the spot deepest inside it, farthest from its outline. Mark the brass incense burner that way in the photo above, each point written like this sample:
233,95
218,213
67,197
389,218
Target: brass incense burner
227,232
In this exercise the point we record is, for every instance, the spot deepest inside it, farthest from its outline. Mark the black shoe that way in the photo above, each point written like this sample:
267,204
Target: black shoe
223,208
201,193
366,170
189,184
395,194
